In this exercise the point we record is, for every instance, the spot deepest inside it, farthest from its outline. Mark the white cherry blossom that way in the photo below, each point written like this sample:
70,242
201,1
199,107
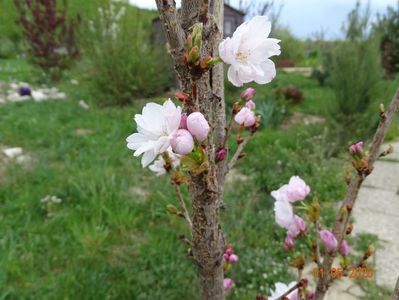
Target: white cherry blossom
248,51
159,165
156,126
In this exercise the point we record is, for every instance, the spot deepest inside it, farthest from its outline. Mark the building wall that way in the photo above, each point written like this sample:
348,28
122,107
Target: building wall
232,19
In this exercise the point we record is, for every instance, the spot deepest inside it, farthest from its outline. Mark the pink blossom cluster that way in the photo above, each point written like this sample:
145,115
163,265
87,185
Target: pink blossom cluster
193,126
230,259
330,242
246,116
228,283
295,190
229,256
164,129
356,149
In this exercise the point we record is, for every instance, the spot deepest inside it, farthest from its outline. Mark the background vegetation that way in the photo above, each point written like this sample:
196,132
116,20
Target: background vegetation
110,237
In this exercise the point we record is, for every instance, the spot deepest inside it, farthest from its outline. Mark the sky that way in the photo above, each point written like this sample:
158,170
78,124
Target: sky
305,17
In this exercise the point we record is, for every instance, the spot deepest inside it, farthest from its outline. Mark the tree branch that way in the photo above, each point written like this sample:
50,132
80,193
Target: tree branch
395,295
186,214
344,212
176,38
317,258
239,150
284,296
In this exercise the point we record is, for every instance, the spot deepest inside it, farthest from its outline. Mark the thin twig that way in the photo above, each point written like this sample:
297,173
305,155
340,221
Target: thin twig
395,295
316,227
228,129
185,240
344,212
282,297
239,150
186,214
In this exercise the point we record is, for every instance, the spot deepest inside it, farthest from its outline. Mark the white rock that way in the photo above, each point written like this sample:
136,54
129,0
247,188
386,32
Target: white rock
83,104
59,96
39,96
14,86
16,97
12,152
23,159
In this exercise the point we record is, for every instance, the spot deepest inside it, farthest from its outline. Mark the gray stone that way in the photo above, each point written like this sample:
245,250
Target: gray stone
377,212
385,176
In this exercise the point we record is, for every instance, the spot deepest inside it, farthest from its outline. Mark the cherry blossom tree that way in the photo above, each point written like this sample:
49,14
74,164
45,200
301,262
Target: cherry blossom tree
189,143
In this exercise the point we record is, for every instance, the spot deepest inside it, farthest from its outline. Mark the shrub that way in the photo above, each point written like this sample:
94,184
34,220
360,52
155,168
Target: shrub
124,64
387,26
50,35
291,48
7,48
355,72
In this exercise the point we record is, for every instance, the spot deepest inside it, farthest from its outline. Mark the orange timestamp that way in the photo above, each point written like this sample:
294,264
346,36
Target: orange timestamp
358,272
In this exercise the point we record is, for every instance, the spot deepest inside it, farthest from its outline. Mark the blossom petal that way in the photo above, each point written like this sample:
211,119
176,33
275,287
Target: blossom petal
269,70
147,158
135,140
233,77
283,213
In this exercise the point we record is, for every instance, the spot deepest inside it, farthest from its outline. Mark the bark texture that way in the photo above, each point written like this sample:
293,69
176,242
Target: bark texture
207,96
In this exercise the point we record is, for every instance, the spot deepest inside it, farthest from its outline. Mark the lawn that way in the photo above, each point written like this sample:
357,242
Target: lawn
111,237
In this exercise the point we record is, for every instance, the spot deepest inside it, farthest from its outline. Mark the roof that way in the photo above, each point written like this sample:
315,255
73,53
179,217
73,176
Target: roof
235,9
225,4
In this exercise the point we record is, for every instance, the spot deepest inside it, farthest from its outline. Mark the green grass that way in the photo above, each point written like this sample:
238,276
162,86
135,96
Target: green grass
111,237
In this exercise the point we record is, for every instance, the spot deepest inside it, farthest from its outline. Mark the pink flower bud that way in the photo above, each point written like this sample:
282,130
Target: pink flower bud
304,282
229,251
245,117
310,295
356,148
328,240
226,257
297,226
344,249
233,259
250,104
221,155
183,121
297,189
248,94
227,284
198,126
289,242
182,142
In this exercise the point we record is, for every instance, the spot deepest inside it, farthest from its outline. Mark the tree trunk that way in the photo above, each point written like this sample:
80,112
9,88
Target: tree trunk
206,188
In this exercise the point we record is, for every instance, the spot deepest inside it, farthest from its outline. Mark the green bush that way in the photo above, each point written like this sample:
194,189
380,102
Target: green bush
291,47
355,72
7,48
124,64
387,26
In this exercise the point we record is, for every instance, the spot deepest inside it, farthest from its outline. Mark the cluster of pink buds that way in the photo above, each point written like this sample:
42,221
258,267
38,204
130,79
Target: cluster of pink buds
246,116
295,190
359,157
330,242
356,149
229,256
194,126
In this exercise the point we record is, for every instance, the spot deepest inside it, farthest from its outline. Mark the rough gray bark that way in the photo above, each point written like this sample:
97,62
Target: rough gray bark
344,213
207,96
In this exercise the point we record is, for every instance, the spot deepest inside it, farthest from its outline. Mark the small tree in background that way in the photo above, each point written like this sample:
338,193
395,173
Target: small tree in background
354,67
50,35
123,63
387,26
